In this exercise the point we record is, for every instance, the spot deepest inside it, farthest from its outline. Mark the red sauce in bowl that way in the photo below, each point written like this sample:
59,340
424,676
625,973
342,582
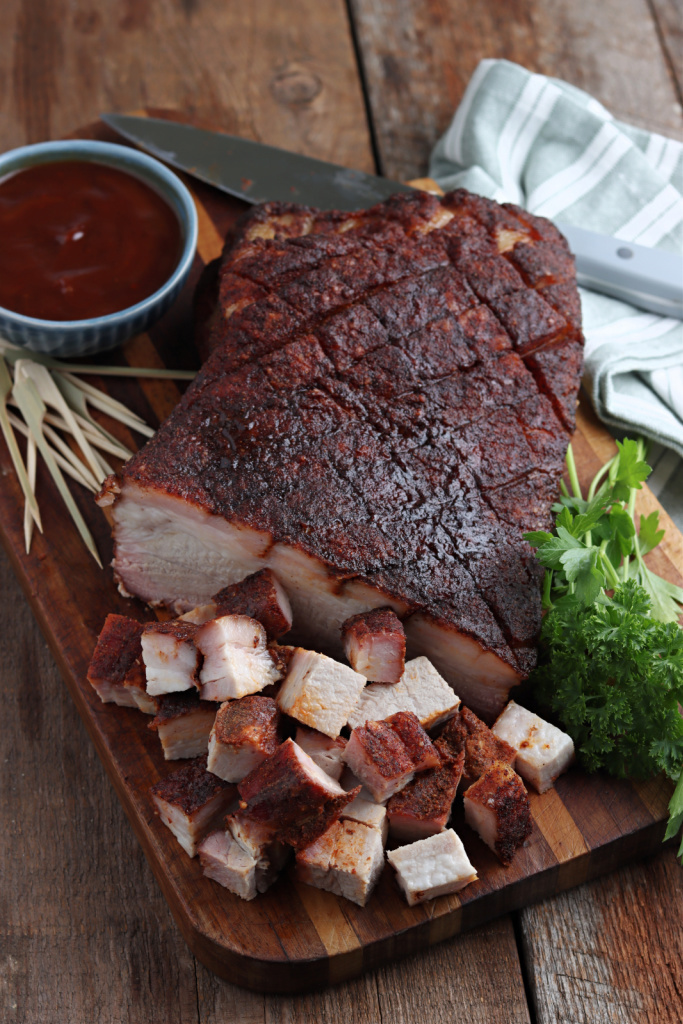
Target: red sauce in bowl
81,240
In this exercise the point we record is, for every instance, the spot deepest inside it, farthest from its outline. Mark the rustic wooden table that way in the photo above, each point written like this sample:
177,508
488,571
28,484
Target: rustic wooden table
85,935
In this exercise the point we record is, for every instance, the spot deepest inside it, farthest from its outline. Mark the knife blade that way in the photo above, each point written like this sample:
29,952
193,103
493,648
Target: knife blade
255,172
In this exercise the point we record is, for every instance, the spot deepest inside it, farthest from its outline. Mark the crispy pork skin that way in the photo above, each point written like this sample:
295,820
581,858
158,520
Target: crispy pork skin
326,751
183,723
543,750
420,689
378,390
292,794
320,692
417,743
237,661
170,657
465,732
346,860
244,734
261,596
384,756
497,807
375,645
190,801
423,807
116,651
432,867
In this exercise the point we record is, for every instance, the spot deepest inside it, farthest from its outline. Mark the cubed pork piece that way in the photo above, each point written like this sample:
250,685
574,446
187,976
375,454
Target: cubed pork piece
497,807
170,657
379,756
346,860
237,661
432,867
420,748
423,807
367,812
349,781
543,750
183,723
244,734
116,650
290,792
467,732
136,683
260,842
320,692
201,614
375,644
420,689
326,751
191,801
226,862
261,596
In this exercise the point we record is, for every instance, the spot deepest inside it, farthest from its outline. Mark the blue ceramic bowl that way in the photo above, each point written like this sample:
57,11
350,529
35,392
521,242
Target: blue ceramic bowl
79,337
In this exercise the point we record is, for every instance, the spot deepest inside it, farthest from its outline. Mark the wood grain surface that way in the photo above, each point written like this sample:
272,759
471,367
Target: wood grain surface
84,932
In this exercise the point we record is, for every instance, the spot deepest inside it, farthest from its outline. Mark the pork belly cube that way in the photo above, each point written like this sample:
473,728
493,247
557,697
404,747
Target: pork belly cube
170,657
320,692
375,645
423,807
432,867
467,732
183,723
290,792
261,596
349,781
226,862
201,614
497,807
376,755
327,752
237,661
190,801
244,734
368,812
117,648
260,842
419,747
347,860
420,689
543,750
136,683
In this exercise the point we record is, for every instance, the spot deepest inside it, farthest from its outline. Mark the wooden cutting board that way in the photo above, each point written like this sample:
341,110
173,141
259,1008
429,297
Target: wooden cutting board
296,937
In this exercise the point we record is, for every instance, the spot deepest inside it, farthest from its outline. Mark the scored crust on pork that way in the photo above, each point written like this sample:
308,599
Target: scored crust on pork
384,392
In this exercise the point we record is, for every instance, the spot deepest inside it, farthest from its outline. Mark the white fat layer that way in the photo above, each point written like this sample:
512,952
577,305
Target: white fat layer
187,736
483,818
432,867
170,663
236,658
365,769
189,830
315,772
325,751
319,691
284,605
347,860
420,689
143,700
369,813
232,763
226,862
203,613
349,781
543,750
114,693
379,658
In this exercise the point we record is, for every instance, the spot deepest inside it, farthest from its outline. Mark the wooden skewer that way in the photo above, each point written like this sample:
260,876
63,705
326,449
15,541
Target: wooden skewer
63,463
31,465
8,434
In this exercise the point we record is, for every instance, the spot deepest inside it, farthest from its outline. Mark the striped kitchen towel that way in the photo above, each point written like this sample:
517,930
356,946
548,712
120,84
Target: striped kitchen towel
543,144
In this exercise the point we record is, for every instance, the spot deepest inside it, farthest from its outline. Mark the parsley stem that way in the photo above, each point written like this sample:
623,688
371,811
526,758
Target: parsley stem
599,475
608,567
573,475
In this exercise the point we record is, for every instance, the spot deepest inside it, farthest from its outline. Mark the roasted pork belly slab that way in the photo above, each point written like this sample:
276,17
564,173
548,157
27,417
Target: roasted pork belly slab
379,388
497,807
190,802
244,734
466,733
375,644
183,723
261,596
116,652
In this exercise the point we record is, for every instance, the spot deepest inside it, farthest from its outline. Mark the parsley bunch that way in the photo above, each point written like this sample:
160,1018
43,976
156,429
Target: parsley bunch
611,660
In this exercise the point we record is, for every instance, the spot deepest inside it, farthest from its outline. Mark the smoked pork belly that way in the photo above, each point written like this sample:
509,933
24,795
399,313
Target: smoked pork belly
375,645
432,867
417,743
320,692
116,651
190,801
346,860
465,732
420,689
261,596
367,812
136,683
384,410
226,862
244,734
423,807
543,750
290,792
170,657
385,759
183,723
260,841
237,661
497,808
326,751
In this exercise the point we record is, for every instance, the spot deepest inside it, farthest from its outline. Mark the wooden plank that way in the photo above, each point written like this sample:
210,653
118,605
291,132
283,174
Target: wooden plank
669,18
418,58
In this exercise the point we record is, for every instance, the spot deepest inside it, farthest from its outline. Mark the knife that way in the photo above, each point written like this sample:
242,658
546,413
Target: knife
648,278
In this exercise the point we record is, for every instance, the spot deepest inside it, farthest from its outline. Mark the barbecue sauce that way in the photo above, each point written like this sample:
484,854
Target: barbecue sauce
81,240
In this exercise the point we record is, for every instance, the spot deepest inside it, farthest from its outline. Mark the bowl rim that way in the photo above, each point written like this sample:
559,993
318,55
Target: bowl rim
96,147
